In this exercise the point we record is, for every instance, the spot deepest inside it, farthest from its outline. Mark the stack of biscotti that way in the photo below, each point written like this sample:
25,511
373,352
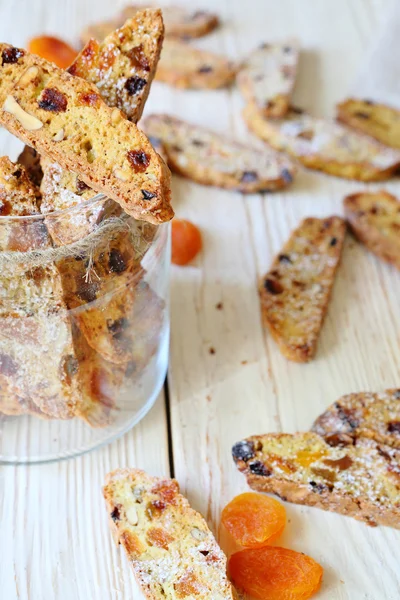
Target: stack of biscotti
349,463
172,551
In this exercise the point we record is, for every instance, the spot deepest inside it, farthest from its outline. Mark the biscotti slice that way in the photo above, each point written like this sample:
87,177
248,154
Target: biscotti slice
324,145
268,76
295,292
180,22
211,159
380,121
375,416
374,218
122,67
168,544
63,117
30,159
360,480
184,66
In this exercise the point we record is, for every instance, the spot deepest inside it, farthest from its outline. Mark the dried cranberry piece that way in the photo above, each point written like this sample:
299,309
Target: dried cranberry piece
333,241
205,69
138,58
147,195
284,258
347,416
273,287
115,514
286,176
89,98
249,176
11,55
394,427
116,262
134,84
318,487
243,450
258,468
81,186
138,160
53,100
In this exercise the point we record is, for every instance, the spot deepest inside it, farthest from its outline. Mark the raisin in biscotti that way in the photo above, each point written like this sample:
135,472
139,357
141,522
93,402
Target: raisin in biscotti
374,218
360,480
180,22
295,292
211,159
268,75
168,544
375,416
380,121
123,66
183,66
63,117
324,145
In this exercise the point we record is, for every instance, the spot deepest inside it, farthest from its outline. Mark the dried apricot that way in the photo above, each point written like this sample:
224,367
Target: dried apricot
53,49
186,241
254,520
275,573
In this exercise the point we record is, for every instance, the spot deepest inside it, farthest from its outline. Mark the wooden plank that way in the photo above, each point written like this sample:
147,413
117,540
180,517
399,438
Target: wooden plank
227,378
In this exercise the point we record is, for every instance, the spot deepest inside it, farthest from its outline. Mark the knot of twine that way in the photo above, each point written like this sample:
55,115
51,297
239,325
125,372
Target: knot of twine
11,261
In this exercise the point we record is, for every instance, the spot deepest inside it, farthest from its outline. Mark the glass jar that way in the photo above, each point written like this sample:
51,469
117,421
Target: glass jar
84,328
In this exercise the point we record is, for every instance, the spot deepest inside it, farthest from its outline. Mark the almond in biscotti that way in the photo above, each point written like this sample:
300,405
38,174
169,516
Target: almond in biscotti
267,77
324,145
360,480
374,218
295,292
172,551
91,146
213,159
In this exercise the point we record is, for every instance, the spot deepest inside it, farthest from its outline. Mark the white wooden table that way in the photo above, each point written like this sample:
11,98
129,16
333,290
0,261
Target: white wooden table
227,379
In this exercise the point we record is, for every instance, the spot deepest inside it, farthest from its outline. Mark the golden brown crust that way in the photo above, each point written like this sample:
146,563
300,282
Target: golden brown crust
360,480
184,66
171,550
295,293
64,118
374,218
371,415
325,146
380,121
212,159
123,66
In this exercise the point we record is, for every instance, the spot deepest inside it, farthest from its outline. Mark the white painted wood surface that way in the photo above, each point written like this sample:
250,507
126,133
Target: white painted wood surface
54,541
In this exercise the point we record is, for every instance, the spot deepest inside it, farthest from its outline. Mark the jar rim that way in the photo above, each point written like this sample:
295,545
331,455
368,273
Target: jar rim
55,213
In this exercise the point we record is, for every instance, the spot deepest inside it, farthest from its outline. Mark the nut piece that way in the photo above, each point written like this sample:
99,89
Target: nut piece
59,136
27,121
198,534
28,76
116,116
132,515
122,174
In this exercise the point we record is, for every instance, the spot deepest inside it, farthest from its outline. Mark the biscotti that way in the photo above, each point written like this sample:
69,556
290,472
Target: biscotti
122,67
172,552
180,22
184,66
375,416
324,145
64,118
295,292
360,480
380,121
374,218
267,77
211,159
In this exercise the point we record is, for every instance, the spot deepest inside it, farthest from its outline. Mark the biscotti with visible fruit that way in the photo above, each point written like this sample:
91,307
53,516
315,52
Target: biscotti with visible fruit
375,416
374,218
380,121
212,159
168,544
64,118
267,77
184,66
360,480
296,290
324,145
180,22
122,67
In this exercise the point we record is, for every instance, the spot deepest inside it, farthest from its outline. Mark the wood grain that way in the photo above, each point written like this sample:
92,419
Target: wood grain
227,378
